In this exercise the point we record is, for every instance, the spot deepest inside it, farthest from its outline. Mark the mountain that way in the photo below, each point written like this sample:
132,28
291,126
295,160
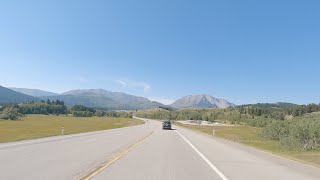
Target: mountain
33,92
90,100
149,105
8,96
100,98
201,101
119,97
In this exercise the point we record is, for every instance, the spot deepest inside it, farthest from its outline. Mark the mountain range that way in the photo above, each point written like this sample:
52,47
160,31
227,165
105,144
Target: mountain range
100,98
33,92
8,96
123,98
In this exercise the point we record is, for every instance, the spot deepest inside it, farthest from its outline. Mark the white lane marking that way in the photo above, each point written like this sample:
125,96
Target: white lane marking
222,176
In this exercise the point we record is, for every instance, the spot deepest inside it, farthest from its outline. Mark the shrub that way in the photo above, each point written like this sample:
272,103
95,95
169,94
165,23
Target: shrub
100,113
276,130
82,114
9,113
290,143
82,108
307,133
119,114
258,122
303,134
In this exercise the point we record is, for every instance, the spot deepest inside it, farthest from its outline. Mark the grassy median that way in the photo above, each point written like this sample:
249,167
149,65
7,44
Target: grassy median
252,136
37,126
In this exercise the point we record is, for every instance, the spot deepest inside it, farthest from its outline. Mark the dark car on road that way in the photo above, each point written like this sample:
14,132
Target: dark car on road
166,125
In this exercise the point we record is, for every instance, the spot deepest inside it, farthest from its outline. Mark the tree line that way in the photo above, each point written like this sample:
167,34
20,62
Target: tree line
14,111
83,111
207,114
56,107
43,107
278,112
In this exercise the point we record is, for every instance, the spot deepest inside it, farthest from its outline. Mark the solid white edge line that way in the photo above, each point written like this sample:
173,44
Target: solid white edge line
222,176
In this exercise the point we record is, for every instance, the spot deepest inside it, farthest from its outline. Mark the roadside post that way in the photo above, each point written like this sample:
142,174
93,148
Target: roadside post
213,132
62,130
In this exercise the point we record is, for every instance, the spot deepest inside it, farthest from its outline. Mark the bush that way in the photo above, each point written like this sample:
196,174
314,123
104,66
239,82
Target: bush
82,111
290,143
303,134
117,114
82,114
258,122
100,113
82,108
9,113
276,130
307,133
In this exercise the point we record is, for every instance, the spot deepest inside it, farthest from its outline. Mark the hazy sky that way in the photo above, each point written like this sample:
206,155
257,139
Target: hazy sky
245,51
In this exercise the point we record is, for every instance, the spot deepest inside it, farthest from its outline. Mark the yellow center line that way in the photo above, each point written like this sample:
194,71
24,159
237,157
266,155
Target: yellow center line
119,155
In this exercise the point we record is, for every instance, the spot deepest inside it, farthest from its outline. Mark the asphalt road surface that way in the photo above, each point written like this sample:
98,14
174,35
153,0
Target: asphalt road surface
178,154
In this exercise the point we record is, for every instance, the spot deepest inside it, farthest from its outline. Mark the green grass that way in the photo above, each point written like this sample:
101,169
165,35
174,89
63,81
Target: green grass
251,136
37,126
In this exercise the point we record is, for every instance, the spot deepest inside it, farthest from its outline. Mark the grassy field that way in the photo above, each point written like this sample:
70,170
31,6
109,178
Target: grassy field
251,136
37,126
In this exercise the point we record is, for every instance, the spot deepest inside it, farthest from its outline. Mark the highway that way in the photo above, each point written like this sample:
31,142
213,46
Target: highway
144,152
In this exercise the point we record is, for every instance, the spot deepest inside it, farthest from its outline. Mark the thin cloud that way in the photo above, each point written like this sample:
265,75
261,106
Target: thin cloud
134,85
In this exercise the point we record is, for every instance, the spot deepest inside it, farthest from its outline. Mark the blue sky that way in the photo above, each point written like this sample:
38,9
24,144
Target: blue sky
245,51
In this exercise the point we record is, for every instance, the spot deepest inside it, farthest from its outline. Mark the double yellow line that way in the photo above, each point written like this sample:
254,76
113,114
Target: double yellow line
119,155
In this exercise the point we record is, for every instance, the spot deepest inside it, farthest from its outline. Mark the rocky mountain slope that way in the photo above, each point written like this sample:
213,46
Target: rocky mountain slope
201,101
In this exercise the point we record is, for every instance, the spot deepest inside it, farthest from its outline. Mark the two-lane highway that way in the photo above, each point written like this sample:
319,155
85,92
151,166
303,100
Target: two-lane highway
164,156
179,154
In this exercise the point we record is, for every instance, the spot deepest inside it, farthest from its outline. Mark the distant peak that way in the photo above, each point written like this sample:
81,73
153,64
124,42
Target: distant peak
201,101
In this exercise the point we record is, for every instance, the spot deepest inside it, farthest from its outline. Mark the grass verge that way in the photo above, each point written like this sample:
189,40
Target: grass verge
37,126
251,136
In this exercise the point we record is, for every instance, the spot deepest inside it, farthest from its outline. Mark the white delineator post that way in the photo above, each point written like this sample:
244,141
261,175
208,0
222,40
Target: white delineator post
213,132
62,130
